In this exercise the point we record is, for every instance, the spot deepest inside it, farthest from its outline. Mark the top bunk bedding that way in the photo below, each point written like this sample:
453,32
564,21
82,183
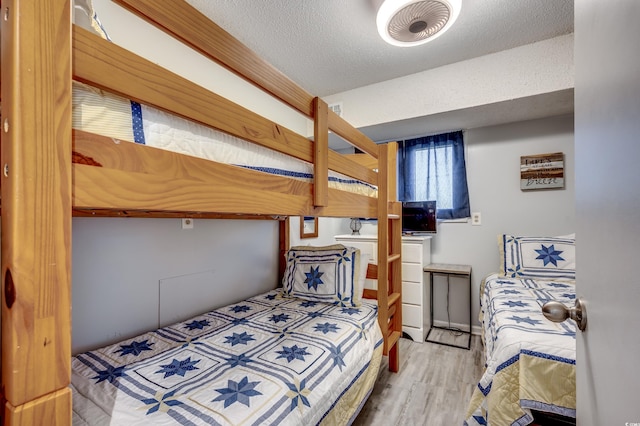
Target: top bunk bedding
102,113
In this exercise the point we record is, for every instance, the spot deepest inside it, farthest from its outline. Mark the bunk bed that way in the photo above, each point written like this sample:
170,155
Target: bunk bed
52,172
529,361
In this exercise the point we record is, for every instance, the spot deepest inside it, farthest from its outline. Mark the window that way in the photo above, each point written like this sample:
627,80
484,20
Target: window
433,168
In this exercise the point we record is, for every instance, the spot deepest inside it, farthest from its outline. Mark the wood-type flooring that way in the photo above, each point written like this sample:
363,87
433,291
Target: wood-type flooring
433,387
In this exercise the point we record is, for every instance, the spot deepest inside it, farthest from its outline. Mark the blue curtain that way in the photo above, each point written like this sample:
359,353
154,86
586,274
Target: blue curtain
433,168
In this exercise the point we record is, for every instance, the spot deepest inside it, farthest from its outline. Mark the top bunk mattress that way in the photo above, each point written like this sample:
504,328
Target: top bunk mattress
99,112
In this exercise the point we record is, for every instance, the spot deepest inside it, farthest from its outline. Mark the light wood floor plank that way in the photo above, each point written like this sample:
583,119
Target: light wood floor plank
433,387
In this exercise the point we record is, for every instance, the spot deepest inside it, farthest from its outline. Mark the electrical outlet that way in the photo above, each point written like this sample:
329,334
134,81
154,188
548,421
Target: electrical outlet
187,223
476,218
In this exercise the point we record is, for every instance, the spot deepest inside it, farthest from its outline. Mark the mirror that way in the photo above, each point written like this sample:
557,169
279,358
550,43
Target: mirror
308,227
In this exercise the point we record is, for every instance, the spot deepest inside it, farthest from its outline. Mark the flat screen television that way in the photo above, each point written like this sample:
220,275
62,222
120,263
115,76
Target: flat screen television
419,217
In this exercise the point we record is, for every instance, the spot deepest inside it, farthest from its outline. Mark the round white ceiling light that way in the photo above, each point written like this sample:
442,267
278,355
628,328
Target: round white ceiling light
415,22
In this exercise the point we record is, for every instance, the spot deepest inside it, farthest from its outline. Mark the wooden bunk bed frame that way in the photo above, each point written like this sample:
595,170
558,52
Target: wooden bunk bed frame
43,185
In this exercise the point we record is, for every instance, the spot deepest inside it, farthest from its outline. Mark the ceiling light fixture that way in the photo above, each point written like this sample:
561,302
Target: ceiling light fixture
415,22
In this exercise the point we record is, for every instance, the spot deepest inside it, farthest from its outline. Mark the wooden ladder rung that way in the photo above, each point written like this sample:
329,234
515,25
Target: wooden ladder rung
393,299
391,311
393,258
370,294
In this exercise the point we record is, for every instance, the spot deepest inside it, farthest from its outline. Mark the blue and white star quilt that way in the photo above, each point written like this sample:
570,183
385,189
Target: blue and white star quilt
266,360
530,361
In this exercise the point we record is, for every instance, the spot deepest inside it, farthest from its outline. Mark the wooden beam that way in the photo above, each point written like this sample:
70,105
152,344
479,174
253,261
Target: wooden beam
283,246
36,211
383,249
194,29
352,135
321,157
52,409
170,215
364,159
101,188
102,151
392,159
123,176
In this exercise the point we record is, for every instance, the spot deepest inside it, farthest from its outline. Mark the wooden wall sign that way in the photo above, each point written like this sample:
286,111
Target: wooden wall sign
543,171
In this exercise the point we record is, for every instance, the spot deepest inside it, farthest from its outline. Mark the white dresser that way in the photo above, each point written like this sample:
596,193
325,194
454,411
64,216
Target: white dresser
416,253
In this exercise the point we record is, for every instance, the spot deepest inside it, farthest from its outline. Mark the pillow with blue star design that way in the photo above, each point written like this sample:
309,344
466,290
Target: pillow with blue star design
329,274
538,257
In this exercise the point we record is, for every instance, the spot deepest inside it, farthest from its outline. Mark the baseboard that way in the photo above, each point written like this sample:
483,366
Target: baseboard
475,329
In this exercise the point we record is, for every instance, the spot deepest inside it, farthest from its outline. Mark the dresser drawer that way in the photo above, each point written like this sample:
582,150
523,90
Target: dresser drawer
412,272
412,253
412,315
412,293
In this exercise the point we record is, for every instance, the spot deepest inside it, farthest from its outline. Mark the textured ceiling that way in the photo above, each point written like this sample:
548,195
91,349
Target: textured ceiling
331,46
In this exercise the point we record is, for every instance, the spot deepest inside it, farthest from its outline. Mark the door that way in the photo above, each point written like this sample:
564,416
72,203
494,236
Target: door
607,155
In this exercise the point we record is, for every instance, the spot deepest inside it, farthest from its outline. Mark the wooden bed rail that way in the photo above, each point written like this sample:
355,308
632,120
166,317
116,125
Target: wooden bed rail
133,177
110,67
181,20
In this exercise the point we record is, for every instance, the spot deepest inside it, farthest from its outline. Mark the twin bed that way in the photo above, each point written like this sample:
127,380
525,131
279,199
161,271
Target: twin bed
306,353
530,361
283,357
267,360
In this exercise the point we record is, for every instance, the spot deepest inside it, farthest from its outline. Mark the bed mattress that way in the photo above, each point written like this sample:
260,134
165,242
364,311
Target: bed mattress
105,114
266,360
530,361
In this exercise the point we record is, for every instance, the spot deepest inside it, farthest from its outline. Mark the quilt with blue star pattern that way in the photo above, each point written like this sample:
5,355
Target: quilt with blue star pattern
266,360
530,361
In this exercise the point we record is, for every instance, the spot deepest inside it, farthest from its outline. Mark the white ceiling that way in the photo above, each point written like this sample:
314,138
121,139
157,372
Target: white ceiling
331,46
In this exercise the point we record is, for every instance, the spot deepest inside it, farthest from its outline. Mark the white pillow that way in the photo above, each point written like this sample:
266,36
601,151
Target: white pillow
362,277
537,257
330,274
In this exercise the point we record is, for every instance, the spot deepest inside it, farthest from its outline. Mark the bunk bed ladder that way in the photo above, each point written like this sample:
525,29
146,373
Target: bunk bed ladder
389,257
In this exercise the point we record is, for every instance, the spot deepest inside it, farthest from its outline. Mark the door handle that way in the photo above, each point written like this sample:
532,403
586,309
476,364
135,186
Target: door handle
558,312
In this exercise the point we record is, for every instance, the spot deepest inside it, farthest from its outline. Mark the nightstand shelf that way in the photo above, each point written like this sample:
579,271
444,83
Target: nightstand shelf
448,270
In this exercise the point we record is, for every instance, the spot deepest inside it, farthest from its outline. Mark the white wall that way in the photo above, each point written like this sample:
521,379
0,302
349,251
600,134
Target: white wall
493,175
120,265
327,228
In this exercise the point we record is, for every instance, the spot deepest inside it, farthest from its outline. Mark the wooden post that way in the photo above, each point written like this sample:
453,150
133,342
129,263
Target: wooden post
36,211
383,246
321,156
389,255
283,246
